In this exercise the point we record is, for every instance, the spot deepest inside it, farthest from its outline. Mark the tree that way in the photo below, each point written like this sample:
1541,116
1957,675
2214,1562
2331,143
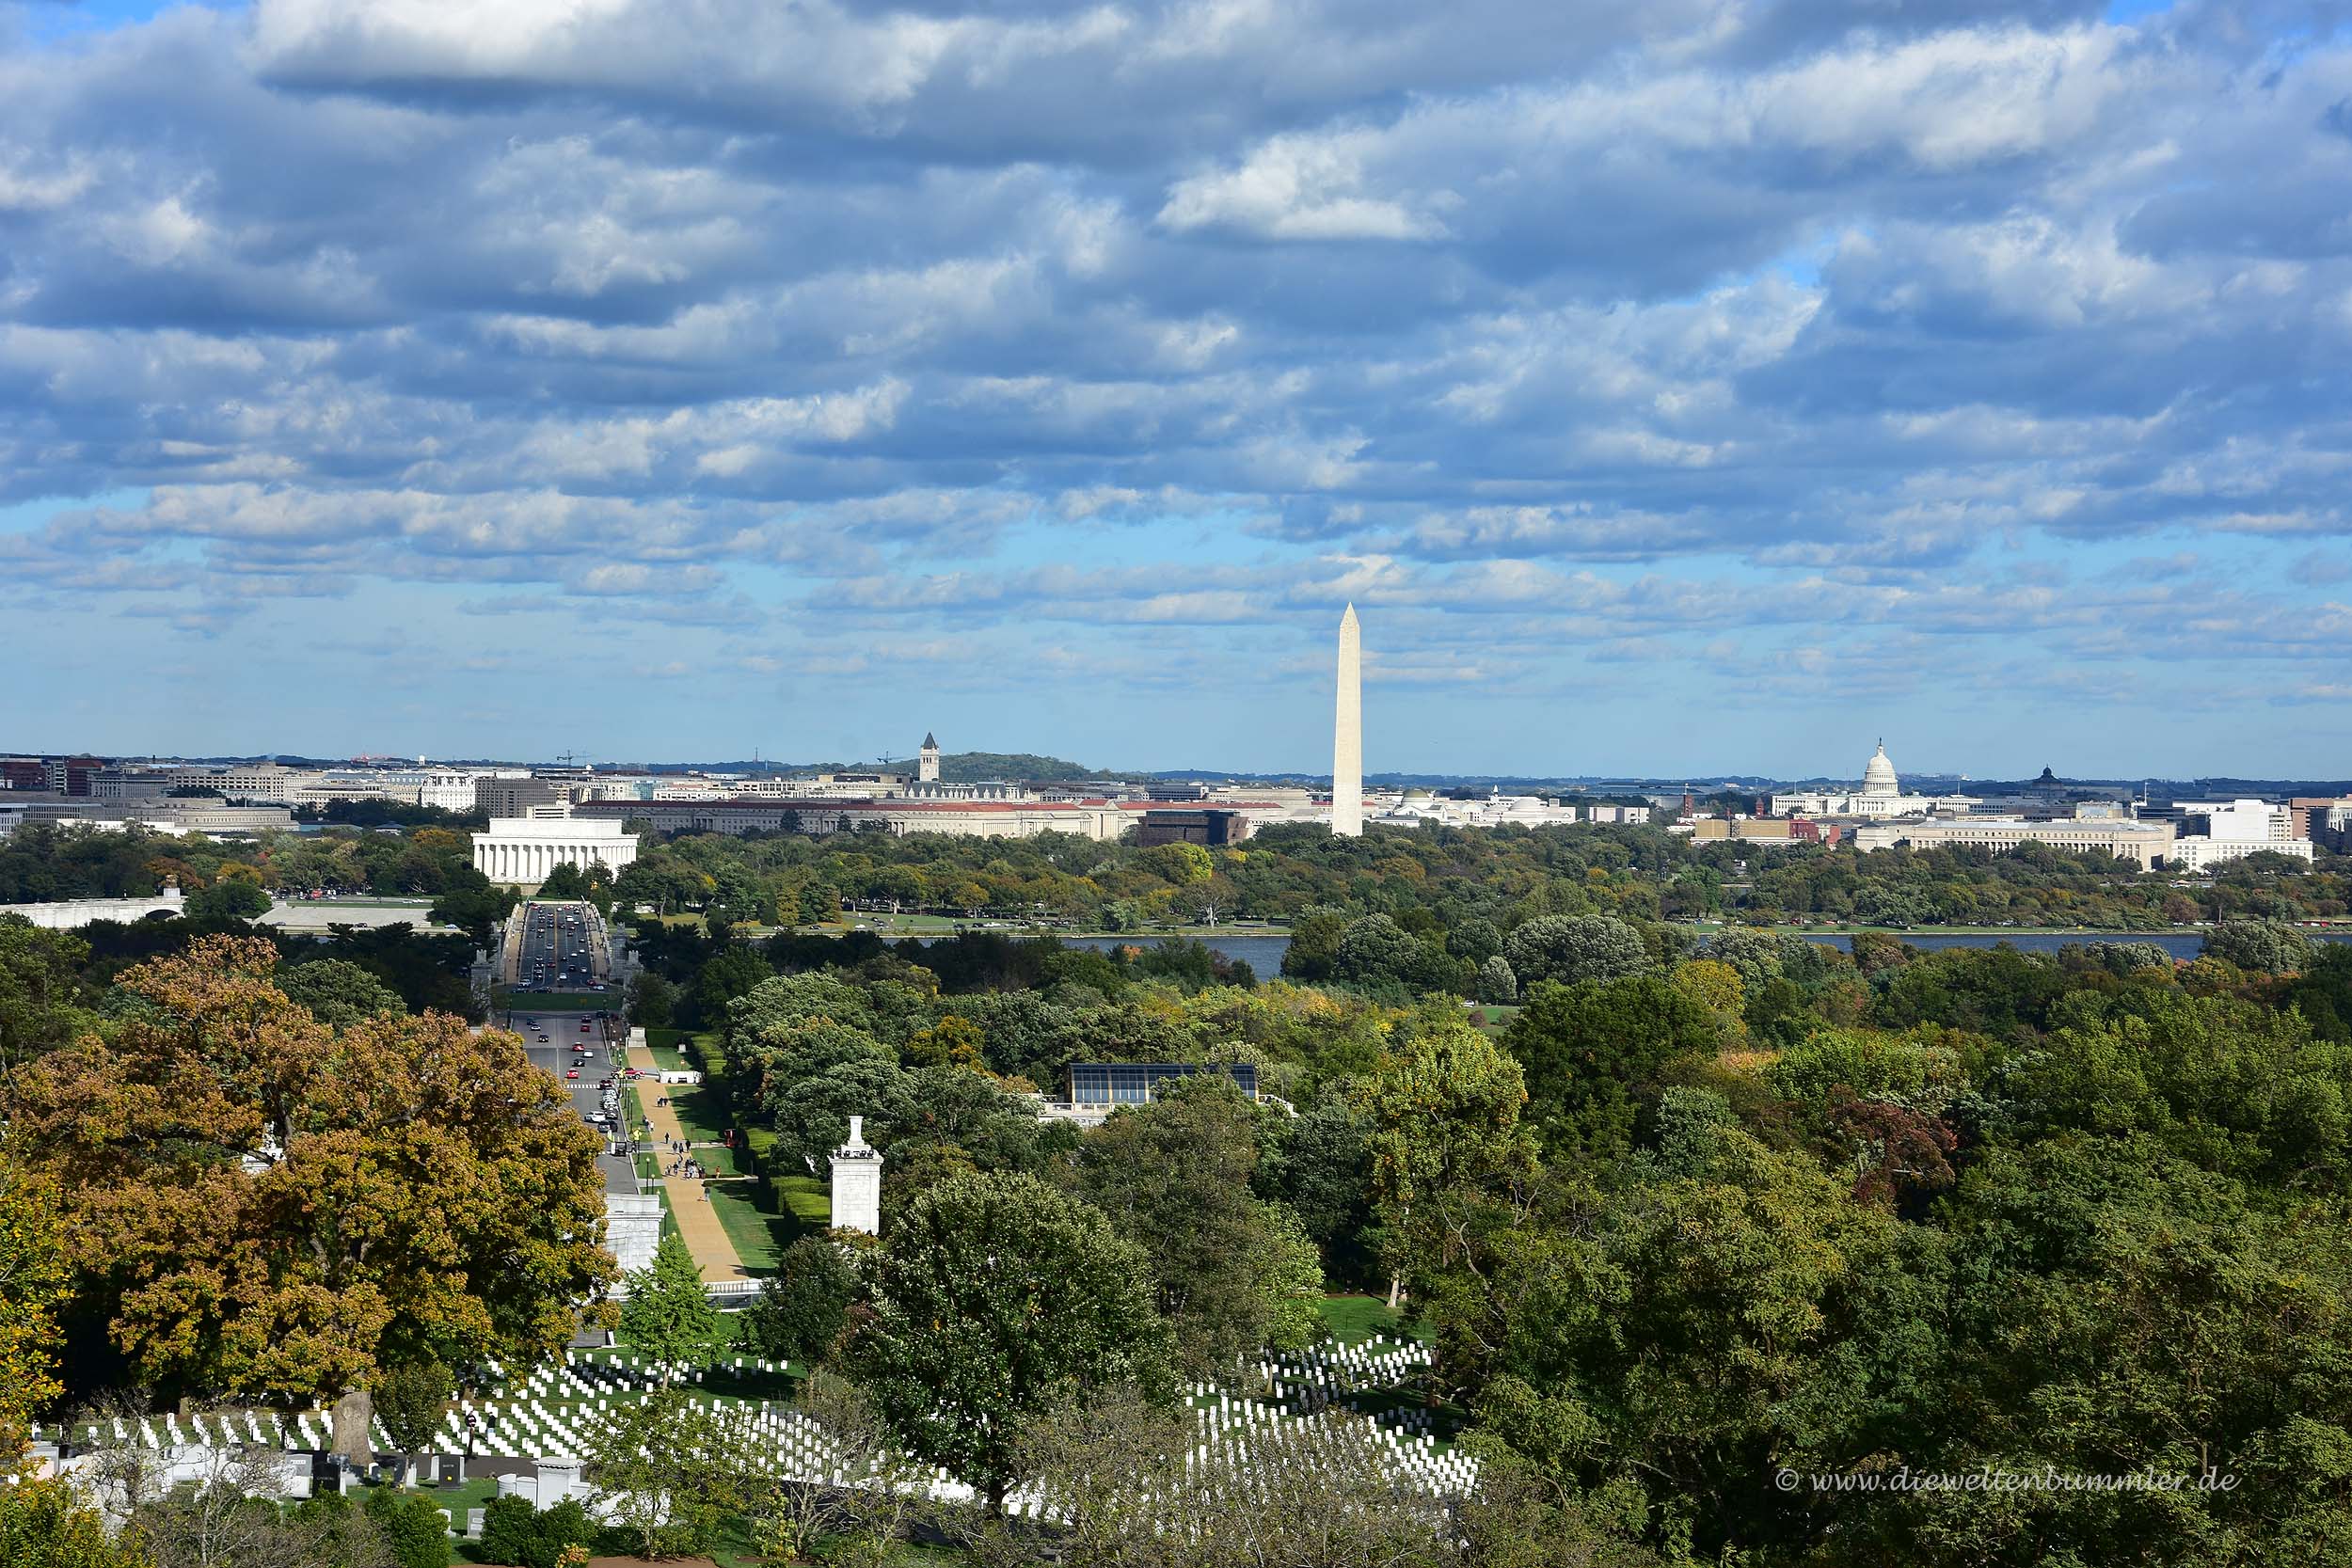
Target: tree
253,1202
651,1000
803,1309
1446,1146
1496,983
415,1531
995,1297
951,1042
33,1277
564,881
669,1315
45,1524
40,990
734,971
515,1532
1314,944
411,1401
2115,1307
230,899
472,904
1175,1175
2271,946
865,1520
339,993
1724,1313
1375,948
1569,948
1315,1165
223,1515
1593,1053
671,1465
1715,986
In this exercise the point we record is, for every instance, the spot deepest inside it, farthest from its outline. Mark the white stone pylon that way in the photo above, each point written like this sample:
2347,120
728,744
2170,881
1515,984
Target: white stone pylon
1347,736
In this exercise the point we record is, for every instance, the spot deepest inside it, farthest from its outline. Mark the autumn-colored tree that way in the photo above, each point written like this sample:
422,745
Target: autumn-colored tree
951,1042
257,1204
32,1278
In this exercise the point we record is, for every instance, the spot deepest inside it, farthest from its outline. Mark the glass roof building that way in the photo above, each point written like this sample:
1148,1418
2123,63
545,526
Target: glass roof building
1105,1086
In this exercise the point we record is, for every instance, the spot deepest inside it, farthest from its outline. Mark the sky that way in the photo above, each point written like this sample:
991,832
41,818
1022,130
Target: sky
1700,386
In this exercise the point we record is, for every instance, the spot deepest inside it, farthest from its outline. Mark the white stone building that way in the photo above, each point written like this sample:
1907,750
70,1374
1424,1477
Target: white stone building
520,851
1882,796
2234,830
2148,844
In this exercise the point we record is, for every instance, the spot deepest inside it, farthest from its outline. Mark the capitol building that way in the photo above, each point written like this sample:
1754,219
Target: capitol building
1880,797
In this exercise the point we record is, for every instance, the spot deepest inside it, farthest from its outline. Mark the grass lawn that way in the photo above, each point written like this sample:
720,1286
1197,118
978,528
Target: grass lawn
1352,1320
476,1493
701,1109
758,1238
669,1058
719,1159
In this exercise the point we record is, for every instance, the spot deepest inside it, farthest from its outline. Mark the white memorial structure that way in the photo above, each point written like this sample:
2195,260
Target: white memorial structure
857,1182
1347,735
633,1229
519,851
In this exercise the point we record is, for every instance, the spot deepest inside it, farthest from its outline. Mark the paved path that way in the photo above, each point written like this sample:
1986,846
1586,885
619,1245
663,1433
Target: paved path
690,1201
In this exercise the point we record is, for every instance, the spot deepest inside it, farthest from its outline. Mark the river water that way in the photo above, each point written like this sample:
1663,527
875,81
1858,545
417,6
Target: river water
1264,954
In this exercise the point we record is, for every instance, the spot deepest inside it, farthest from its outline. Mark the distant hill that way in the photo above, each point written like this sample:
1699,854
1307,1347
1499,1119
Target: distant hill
974,766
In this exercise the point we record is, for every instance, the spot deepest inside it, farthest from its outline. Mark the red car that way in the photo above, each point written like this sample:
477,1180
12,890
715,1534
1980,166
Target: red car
583,1027
571,1073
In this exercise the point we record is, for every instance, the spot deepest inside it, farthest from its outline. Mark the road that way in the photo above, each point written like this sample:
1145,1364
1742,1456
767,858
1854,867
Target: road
558,948
558,1055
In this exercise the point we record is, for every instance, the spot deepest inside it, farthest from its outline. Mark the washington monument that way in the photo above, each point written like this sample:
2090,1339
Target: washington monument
1347,736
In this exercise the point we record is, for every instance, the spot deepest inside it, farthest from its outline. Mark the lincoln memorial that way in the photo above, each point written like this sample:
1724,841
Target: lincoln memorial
519,851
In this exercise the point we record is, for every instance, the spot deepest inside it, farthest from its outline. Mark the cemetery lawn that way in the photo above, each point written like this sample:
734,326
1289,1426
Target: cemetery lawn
476,1493
758,1238
1353,1320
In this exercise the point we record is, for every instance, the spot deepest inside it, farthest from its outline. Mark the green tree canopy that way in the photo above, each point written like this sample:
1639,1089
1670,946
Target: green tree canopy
995,1297
669,1315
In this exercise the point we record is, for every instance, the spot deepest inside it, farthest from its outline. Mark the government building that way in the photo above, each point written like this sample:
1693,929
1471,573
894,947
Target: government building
1881,796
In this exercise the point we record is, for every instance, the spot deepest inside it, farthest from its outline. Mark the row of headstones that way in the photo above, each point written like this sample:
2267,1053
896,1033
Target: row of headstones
309,1428
1238,1420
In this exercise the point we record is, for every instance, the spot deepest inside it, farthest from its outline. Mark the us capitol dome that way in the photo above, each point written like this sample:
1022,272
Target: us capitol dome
1878,778
1880,798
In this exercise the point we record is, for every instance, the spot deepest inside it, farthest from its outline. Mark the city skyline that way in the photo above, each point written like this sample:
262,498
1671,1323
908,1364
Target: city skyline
1685,388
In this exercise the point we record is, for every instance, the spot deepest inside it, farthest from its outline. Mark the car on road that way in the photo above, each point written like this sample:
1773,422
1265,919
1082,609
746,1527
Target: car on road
583,1027
571,1073
543,1040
